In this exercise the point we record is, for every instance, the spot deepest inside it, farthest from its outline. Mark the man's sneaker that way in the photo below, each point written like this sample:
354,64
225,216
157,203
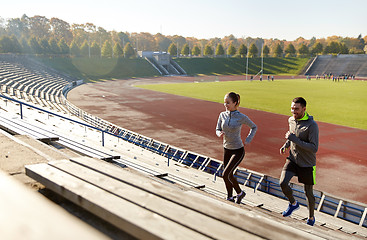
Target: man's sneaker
290,209
311,222
240,197
231,199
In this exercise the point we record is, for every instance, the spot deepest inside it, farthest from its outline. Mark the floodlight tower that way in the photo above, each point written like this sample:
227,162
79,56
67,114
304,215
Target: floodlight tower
262,59
247,62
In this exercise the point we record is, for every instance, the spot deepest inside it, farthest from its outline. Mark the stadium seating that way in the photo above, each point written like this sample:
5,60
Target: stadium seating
94,137
136,204
24,78
339,65
20,207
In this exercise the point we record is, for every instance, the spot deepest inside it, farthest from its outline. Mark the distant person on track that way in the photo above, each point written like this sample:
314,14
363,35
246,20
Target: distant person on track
302,141
229,126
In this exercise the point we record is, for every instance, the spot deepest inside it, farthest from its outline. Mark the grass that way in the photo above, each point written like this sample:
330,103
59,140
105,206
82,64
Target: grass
96,69
342,103
236,66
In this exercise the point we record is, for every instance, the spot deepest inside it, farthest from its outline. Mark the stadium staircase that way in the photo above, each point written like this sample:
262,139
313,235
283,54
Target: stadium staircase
172,68
188,184
350,64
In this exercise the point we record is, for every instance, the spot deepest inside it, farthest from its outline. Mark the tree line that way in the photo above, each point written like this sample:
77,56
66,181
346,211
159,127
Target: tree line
40,35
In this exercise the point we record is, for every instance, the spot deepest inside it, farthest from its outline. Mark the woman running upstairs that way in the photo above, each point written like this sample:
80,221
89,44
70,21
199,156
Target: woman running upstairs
229,126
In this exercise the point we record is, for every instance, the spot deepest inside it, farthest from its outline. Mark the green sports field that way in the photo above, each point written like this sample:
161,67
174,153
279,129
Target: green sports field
342,103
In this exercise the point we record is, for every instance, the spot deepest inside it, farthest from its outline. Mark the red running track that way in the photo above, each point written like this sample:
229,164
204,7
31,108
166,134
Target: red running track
190,124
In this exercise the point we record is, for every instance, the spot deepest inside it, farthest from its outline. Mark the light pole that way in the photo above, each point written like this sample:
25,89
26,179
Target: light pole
262,59
88,45
123,46
247,62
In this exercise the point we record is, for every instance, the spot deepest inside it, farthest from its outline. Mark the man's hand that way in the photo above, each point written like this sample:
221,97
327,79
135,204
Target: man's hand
290,136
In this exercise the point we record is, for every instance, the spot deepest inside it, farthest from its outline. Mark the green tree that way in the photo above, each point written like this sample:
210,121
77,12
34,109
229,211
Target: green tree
95,50
208,50
124,38
290,50
17,46
317,48
266,51
172,50
231,50
129,51
253,50
195,51
45,46
9,45
54,48
84,49
361,42
25,46
242,50
303,50
326,50
278,51
74,49
117,50
344,49
219,50
106,50
64,48
185,50
332,48
35,46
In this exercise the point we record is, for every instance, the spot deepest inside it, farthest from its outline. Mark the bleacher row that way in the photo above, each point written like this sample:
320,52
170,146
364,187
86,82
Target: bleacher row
341,64
24,78
174,165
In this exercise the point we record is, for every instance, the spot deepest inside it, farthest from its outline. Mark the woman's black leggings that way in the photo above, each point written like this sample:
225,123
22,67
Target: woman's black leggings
231,160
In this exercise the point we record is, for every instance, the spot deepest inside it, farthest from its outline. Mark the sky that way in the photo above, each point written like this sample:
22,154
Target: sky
277,19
